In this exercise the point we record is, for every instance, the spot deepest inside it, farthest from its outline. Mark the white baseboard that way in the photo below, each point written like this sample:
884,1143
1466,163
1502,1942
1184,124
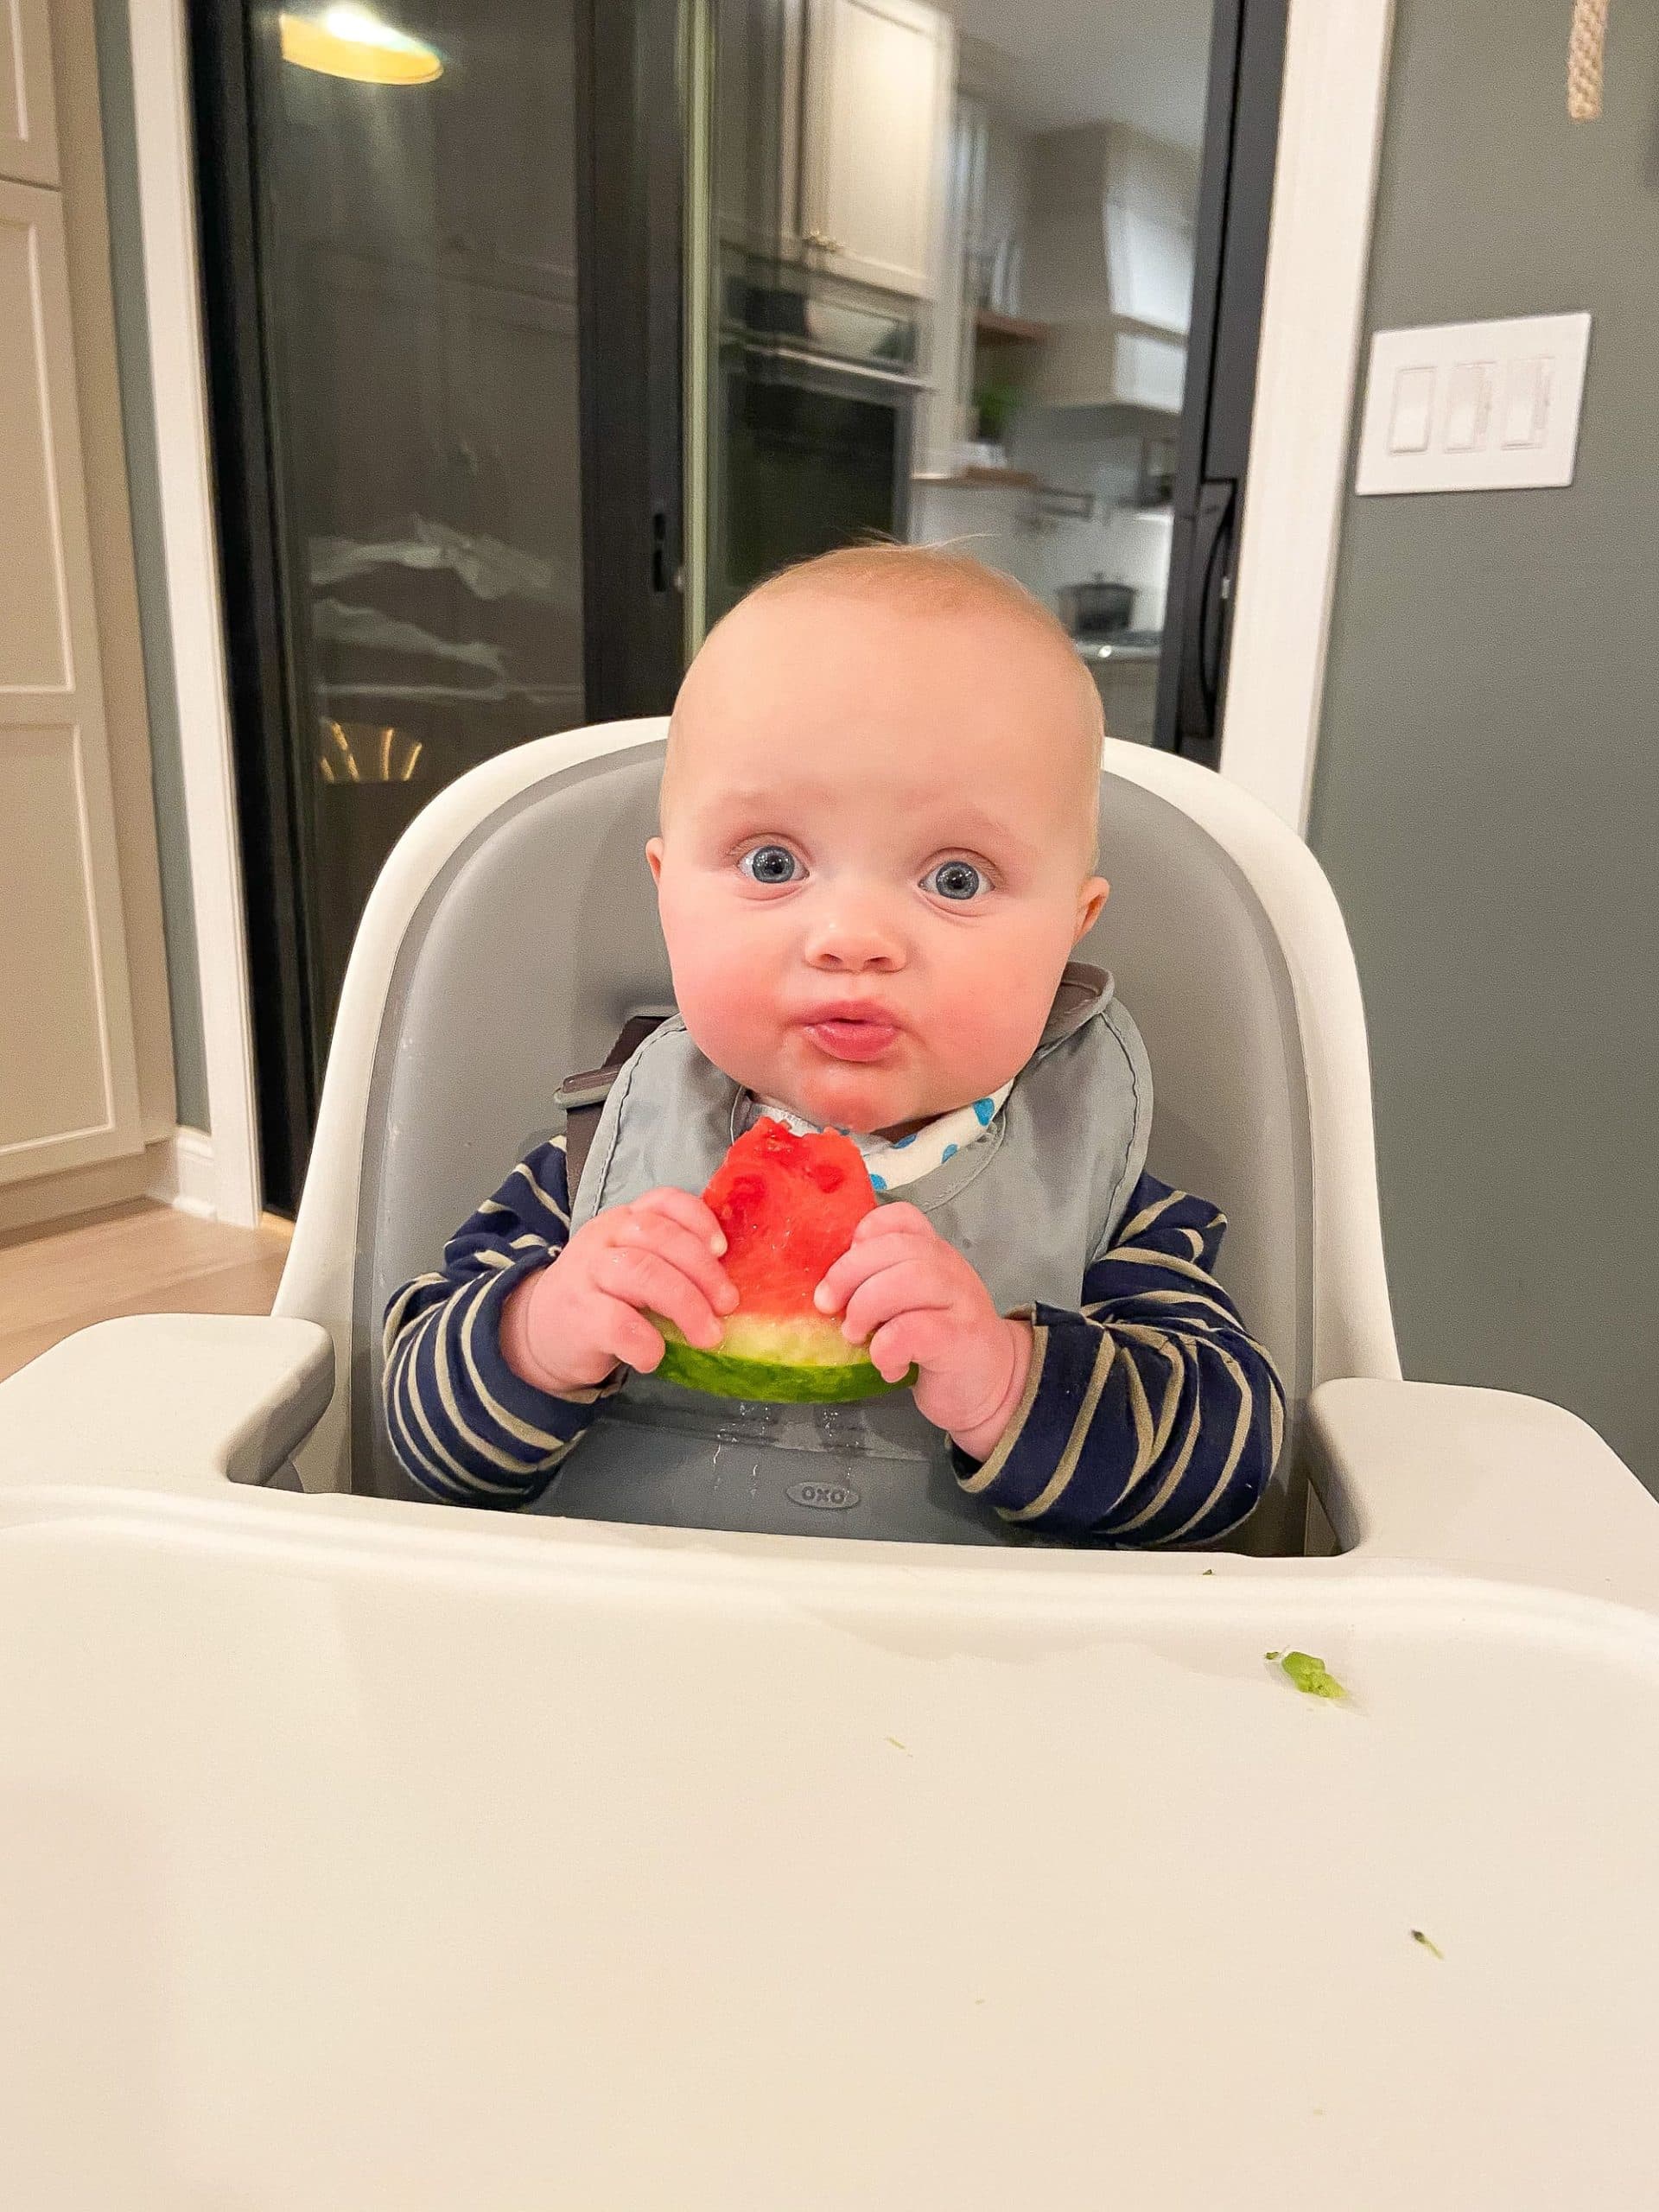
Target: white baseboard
182,1173
45,1200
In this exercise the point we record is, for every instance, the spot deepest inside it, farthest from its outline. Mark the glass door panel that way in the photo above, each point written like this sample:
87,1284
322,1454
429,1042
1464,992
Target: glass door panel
414,222
960,285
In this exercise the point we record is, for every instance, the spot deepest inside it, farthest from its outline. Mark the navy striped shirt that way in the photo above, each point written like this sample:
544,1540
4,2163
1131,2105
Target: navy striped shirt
1150,1416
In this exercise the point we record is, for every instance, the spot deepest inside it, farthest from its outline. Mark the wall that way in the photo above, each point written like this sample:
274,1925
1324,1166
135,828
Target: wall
126,256
1487,789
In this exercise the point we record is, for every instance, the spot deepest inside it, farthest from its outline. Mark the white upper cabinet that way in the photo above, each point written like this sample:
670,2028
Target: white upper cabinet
1149,210
29,139
875,103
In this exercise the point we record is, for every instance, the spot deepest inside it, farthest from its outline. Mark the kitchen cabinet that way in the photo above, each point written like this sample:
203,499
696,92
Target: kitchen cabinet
68,1065
876,80
29,145
88,1100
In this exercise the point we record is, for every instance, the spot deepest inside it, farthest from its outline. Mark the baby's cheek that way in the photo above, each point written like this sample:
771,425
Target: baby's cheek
723,1002
997,1006
713,1006
707,964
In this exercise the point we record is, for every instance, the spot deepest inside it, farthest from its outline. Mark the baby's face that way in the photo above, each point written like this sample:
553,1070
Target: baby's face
876,853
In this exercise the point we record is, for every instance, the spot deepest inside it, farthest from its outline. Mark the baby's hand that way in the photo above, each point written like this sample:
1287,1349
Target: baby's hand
918,1303
572,1324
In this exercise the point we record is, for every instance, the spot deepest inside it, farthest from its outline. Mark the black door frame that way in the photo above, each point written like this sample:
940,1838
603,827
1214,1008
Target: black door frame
630,253
264,683
629,229
1240,139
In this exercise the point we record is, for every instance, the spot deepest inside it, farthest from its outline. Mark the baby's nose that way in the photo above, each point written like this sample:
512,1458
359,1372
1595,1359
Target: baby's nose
854,934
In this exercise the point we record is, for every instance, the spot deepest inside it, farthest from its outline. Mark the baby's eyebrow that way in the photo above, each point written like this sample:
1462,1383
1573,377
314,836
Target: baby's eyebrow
771,800
971,825
944,821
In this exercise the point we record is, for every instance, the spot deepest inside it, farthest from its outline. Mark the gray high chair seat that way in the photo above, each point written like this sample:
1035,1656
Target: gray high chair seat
514,931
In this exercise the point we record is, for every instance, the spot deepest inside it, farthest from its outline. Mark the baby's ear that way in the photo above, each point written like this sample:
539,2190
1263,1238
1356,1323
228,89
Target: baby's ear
1090,900
654,857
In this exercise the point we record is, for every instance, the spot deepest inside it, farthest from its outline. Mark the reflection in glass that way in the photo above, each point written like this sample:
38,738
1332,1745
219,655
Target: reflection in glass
949,280
417,250
348,41
357,752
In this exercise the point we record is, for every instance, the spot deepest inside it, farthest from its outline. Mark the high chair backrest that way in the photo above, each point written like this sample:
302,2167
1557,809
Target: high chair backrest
514,931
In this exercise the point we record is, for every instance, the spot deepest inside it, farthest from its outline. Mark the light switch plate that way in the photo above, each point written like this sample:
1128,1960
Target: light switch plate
1499,402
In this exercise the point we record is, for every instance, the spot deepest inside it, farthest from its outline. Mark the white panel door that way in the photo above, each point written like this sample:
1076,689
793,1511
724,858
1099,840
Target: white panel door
875,105
68,1079
28,138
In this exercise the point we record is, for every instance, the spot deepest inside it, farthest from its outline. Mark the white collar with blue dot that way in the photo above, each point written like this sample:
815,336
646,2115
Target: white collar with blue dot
894,1162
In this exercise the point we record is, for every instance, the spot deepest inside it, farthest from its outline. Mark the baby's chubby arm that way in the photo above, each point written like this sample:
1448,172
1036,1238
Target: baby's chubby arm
497,1362
571,1324
1149,1416
914,1298
466,1426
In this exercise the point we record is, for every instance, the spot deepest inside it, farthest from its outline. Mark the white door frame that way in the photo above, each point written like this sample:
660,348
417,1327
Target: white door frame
1319,252
167,189
1336,80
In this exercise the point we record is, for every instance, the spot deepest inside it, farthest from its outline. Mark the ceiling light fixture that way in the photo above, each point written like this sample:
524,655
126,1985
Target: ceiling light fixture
349,41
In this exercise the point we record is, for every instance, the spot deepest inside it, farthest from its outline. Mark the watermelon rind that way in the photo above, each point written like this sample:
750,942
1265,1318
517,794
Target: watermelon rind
766,1381
789,1206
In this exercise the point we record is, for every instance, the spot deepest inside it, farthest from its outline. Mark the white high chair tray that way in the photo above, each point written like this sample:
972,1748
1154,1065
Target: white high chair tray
376,1859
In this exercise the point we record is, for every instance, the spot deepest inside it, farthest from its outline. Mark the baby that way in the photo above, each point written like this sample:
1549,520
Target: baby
877,852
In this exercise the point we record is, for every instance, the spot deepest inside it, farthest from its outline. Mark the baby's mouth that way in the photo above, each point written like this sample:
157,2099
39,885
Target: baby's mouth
851,1032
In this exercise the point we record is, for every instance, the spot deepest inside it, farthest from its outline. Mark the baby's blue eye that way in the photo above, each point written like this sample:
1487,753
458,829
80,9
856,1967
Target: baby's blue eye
770,864
958,880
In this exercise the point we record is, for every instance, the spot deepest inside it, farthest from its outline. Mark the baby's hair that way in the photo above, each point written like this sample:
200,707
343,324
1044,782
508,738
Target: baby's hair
924,580
935,579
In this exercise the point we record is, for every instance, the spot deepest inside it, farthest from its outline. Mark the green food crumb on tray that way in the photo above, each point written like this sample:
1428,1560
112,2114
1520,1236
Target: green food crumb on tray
1427,1942
1311,1675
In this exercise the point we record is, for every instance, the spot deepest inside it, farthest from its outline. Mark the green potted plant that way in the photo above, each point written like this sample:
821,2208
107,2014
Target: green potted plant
996,401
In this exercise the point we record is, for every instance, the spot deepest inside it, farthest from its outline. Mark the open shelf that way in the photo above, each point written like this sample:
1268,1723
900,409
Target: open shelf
981,479
989,324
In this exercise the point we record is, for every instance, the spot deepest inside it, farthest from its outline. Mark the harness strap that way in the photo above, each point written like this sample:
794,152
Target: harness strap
583,1097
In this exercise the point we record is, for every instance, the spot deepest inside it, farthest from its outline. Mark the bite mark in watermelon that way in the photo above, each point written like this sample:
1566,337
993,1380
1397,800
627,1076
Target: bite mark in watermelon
789,1206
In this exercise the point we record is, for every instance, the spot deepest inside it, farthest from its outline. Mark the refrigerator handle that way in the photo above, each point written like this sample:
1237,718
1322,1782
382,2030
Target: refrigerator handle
1204,619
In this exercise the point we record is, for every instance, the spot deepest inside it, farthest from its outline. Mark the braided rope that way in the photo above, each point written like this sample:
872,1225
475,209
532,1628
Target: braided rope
1586,45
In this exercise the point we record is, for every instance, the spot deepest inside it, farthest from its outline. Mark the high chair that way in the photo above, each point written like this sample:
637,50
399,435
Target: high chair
358,1850
525,888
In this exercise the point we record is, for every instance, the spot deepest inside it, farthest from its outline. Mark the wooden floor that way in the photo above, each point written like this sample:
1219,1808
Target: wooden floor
133,1259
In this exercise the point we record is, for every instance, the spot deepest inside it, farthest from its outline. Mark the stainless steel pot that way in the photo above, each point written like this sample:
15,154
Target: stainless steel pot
1097,608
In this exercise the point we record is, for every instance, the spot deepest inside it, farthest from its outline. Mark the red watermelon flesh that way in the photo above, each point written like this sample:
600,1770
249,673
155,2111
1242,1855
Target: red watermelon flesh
789,1206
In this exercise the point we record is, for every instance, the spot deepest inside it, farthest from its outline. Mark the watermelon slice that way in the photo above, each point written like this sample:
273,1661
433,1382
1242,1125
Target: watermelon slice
789,1206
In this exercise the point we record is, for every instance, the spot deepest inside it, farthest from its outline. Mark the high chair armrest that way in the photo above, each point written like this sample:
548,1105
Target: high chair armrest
1482,1483
172,1401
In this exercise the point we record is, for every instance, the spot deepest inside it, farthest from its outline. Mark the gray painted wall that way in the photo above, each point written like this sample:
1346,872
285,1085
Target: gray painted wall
132,343
1487,792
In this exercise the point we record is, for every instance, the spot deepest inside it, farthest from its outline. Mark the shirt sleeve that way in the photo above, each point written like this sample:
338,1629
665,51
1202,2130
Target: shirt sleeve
465,1427
1150,1417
